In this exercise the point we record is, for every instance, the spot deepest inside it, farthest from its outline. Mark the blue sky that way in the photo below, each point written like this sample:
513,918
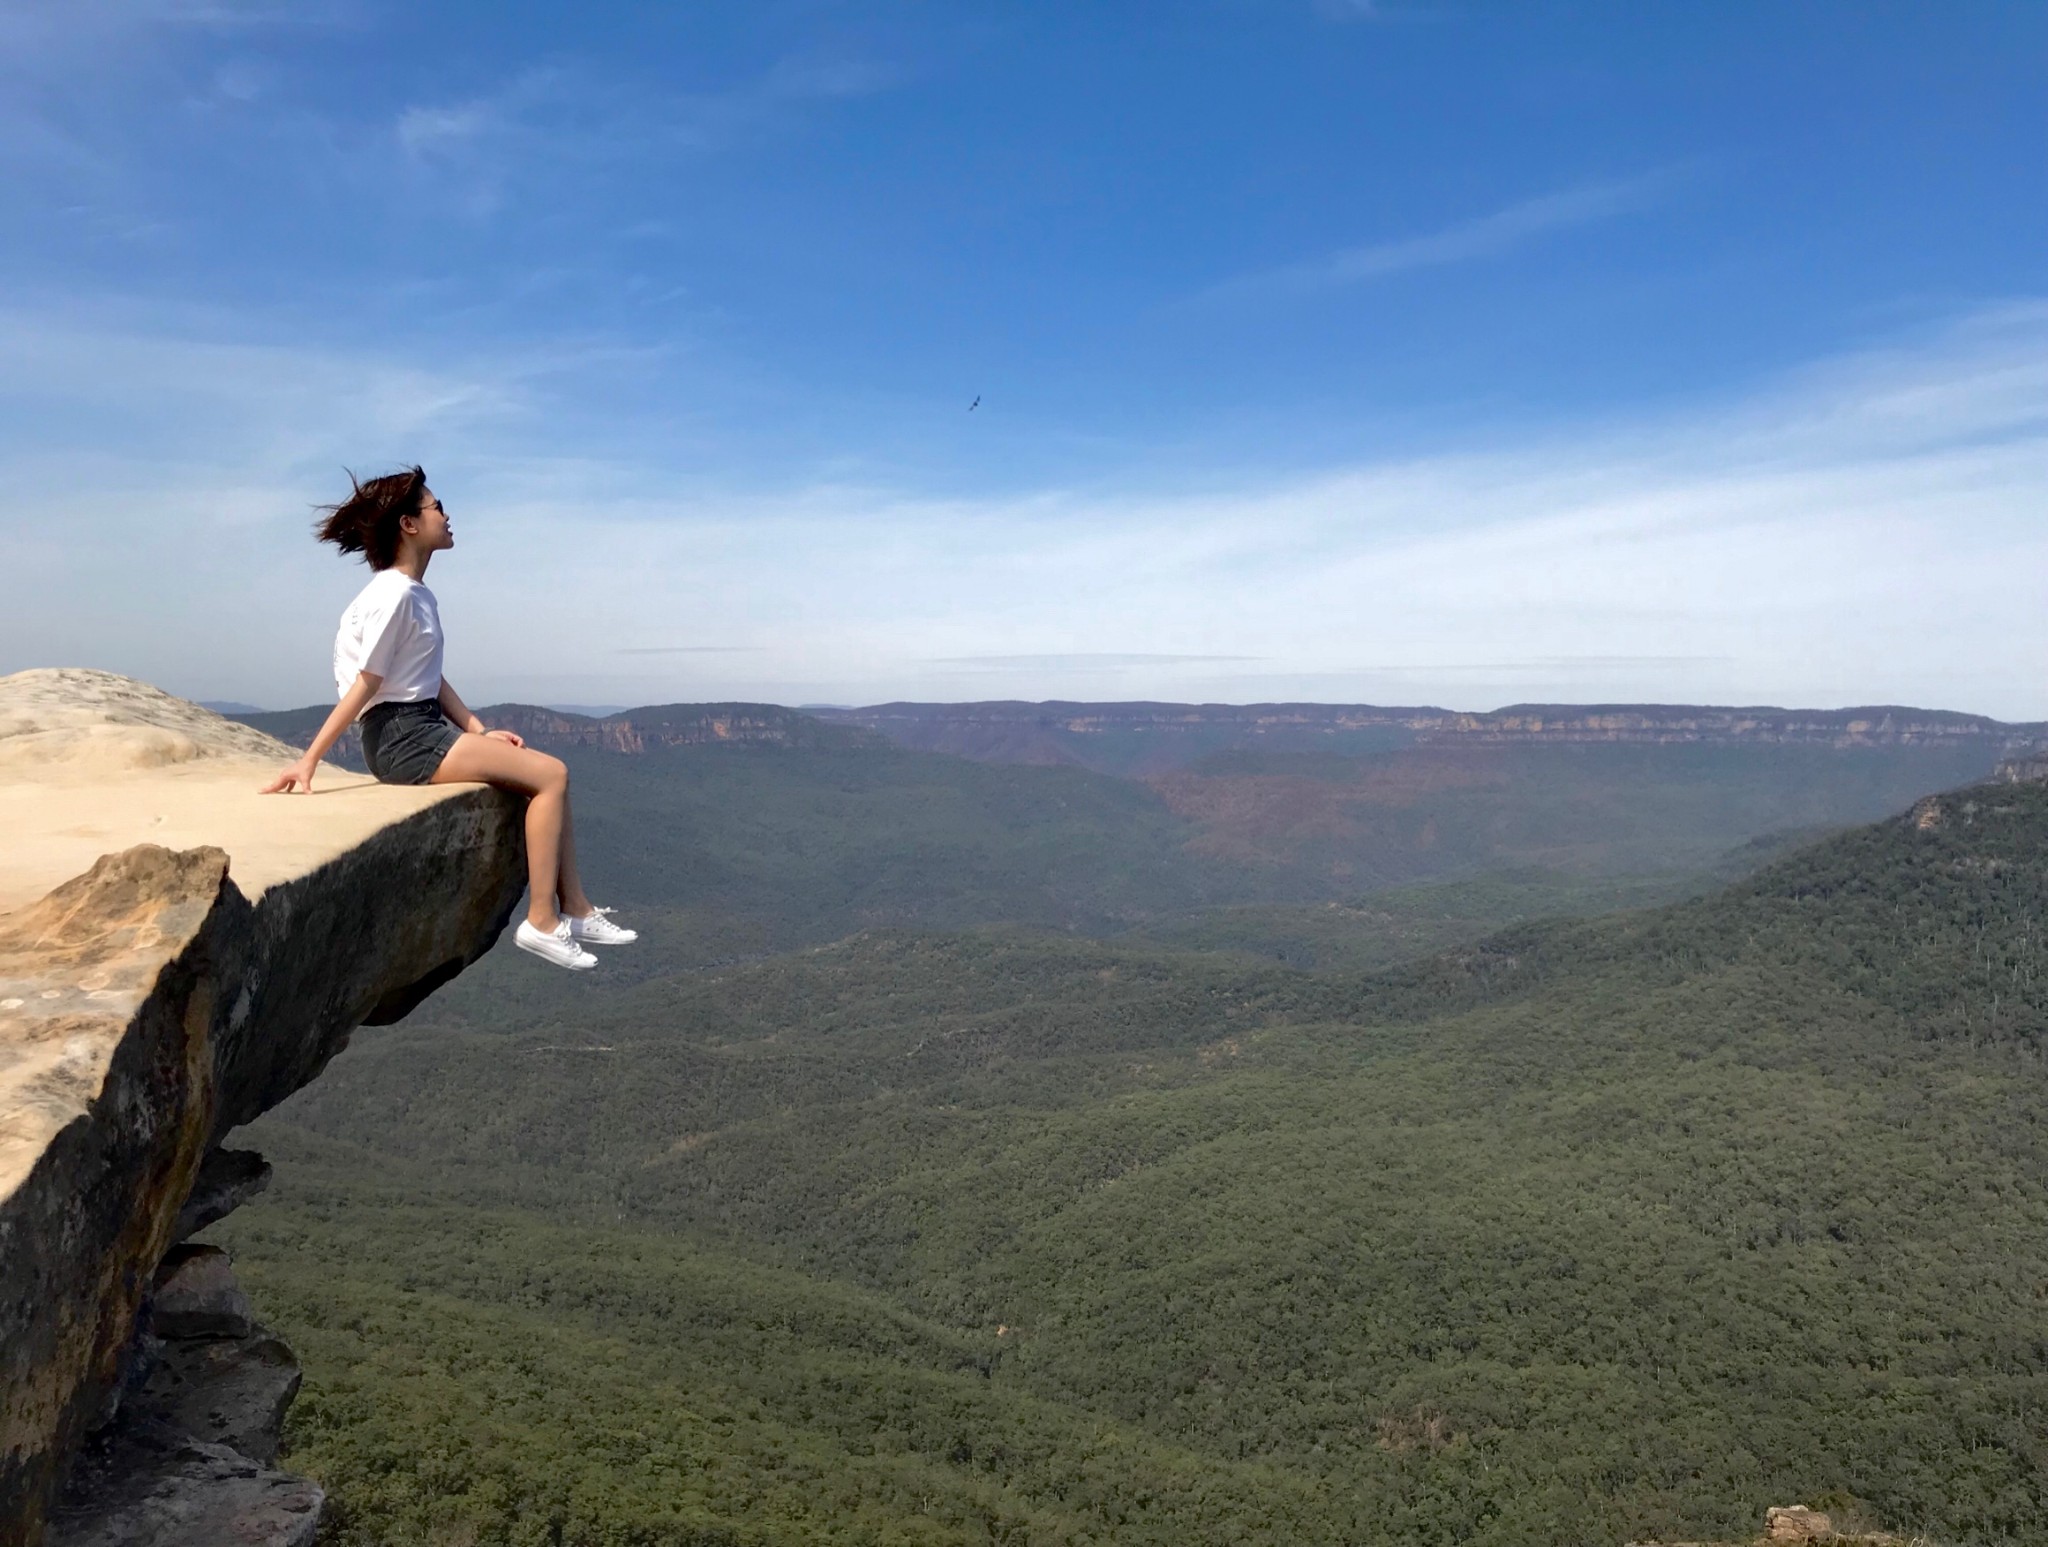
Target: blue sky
1397,352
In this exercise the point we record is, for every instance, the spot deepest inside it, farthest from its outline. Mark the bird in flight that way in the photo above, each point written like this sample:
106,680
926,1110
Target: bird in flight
971,407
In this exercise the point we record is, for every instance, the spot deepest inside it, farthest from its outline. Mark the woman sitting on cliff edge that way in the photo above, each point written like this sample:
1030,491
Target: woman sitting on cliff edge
416,728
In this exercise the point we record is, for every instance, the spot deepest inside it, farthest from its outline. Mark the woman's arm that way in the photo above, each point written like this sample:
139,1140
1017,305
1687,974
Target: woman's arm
456,710
299,777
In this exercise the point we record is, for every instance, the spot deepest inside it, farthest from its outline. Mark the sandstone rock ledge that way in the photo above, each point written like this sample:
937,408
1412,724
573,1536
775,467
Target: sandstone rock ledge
181,954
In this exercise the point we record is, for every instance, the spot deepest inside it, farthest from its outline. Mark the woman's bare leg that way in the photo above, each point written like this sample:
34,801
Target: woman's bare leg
569,885
544,781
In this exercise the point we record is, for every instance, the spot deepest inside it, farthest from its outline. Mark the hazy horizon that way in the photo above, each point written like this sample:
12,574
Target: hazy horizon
600,711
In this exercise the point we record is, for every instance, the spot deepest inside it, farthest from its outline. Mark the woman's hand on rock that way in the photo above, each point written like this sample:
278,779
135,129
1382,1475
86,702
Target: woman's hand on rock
297,779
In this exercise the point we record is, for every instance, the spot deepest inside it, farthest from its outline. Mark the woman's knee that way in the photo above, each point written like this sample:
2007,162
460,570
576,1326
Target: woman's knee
554,772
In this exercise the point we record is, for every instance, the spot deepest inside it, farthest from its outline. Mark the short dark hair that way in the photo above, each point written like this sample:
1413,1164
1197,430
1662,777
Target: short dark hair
367,521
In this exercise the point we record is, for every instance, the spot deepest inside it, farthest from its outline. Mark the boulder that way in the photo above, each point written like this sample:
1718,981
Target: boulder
196,1296
1797,1523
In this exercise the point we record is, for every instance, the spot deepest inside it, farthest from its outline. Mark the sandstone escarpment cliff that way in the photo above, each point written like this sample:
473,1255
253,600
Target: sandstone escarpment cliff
1156,737
629,731
177,954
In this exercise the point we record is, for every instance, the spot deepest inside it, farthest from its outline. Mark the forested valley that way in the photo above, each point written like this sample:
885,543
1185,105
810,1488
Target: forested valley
1565,1146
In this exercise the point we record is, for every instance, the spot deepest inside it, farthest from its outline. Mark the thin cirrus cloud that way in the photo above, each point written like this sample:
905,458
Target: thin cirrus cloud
1486,236
1082,660
38,35
558,116
688,650
1563,665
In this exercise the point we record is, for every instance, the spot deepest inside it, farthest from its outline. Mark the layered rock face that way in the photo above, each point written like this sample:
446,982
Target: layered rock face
633,731
181,954
1151,737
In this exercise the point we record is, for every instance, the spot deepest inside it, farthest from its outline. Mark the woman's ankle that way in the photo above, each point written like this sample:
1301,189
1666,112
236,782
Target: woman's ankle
547,923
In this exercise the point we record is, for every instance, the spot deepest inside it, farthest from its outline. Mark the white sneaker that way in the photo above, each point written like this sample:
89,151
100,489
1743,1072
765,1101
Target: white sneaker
559,947
599,930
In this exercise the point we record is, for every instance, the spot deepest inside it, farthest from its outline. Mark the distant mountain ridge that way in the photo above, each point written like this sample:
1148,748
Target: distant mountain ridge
632,731
1144,738
676,725
1147,737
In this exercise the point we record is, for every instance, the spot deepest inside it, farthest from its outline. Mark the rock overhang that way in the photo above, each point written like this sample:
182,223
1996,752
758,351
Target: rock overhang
177,954
92,763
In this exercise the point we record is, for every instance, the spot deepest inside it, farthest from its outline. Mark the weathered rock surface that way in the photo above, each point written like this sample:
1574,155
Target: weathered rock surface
197,1296
189,1458
229,1391
148,1485
227,1180
96,722
69,796
167,995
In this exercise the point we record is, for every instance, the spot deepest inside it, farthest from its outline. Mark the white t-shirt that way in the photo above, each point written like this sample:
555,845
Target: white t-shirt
392,628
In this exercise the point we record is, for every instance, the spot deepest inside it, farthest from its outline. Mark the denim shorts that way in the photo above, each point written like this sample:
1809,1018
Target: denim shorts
404,743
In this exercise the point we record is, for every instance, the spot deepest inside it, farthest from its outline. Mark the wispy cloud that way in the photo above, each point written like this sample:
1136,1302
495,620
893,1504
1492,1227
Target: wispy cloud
109,365
1379,12
1484,237
226,15
85,84
34,33
1553,666
1865,530
548,119
1082,660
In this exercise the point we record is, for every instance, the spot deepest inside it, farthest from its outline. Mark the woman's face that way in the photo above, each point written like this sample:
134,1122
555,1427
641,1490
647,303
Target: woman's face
433,531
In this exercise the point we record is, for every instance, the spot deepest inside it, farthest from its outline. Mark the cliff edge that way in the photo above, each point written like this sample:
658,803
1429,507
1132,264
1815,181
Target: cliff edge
178,954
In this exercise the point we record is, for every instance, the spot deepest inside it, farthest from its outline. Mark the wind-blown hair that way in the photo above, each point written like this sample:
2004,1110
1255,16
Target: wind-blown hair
367,521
